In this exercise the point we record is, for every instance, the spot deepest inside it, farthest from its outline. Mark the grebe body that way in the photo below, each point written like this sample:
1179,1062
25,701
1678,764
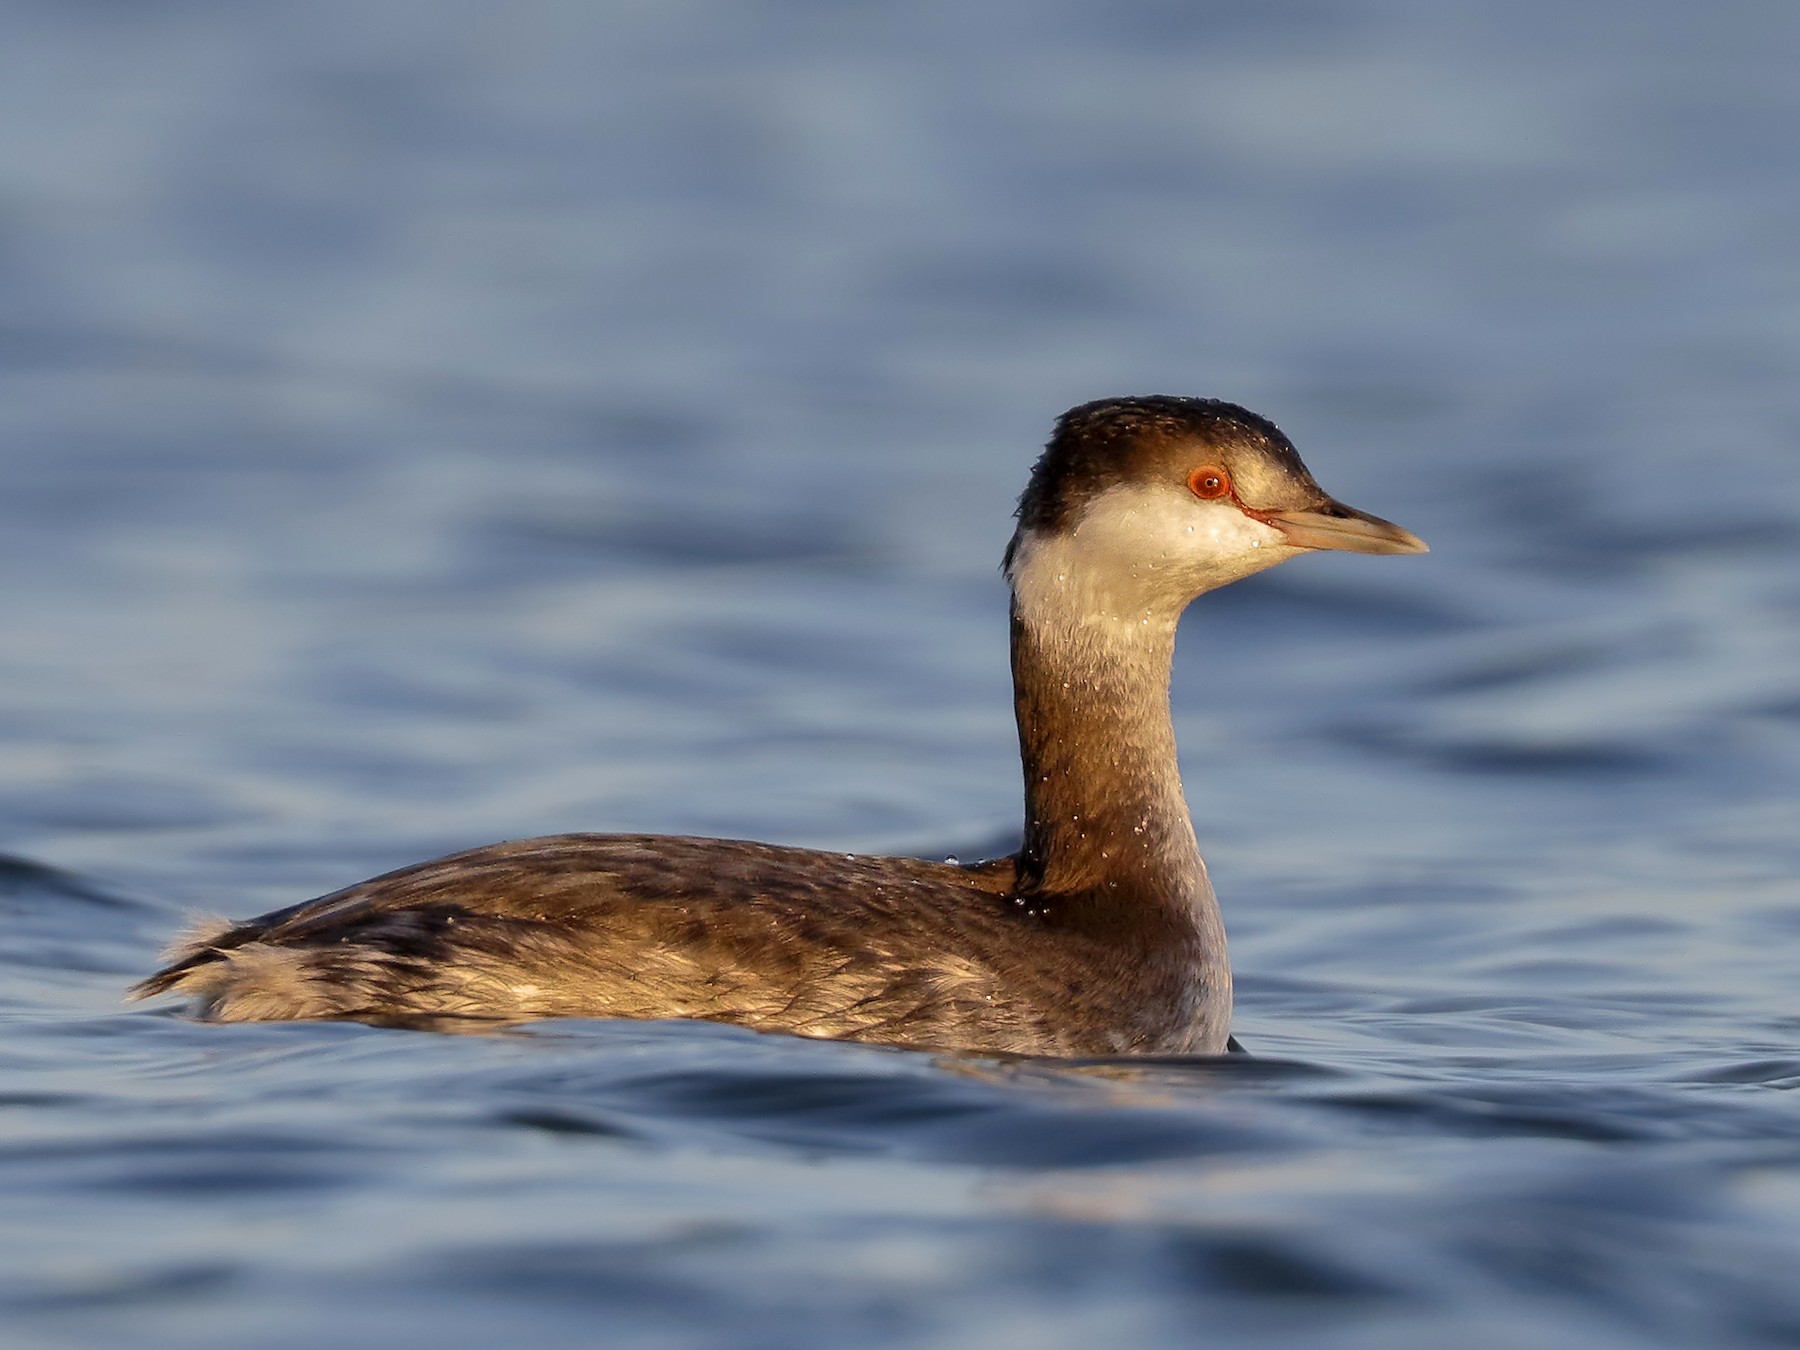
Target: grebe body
1102,936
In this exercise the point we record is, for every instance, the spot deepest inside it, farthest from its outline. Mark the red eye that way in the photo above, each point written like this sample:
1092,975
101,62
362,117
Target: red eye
1209,481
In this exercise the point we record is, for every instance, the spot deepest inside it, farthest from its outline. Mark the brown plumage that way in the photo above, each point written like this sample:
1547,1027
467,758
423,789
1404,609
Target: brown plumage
1101,937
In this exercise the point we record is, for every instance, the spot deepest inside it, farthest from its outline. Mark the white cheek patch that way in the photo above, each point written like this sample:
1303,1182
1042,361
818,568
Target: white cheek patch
1141,552
1223,528
1139,524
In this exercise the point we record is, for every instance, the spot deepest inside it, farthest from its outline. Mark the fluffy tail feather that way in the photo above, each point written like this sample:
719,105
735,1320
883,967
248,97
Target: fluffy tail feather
200,945
235,975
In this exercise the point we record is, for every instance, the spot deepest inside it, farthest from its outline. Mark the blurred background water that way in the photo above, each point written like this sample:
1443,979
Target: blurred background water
428,423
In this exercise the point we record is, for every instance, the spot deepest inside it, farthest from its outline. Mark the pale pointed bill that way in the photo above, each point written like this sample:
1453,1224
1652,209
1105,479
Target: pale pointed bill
1334,525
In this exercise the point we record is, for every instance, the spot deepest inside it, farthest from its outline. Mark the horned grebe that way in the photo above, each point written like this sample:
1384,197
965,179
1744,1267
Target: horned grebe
1102,935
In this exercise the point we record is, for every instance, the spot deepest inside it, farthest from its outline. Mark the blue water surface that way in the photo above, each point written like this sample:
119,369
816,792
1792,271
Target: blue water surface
429,423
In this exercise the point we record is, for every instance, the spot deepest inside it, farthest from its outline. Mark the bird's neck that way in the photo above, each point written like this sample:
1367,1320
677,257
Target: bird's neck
1104,808
1109,850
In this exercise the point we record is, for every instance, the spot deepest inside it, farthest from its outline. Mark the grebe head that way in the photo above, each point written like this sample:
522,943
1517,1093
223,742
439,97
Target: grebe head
1140,504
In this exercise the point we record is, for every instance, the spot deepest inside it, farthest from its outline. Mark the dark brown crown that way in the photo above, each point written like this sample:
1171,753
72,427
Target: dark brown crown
1113,441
